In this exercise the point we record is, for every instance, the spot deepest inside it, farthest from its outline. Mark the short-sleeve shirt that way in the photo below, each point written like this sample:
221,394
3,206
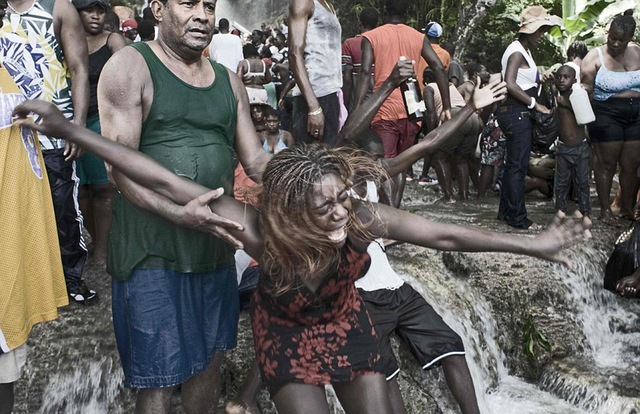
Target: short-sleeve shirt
389,43
444,57
352,53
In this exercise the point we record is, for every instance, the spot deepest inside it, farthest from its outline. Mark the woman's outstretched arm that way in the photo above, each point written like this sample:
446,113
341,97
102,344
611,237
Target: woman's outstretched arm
198,203
404,226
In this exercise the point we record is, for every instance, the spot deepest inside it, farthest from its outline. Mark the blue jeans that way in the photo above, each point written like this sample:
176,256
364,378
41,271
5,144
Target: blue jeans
517,125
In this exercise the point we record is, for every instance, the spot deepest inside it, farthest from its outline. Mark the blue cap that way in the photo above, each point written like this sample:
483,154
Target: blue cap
435,30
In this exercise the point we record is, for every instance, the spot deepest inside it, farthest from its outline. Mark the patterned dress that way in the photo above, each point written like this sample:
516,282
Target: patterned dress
319,337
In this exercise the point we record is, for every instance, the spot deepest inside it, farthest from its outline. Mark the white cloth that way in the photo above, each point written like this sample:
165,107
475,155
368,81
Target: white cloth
526,78
380,274
12,364
226,49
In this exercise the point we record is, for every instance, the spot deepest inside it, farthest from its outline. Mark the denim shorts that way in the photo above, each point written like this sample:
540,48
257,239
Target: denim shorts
617,120
168,324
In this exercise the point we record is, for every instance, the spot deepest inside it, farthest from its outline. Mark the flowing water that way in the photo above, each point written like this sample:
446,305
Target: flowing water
603,378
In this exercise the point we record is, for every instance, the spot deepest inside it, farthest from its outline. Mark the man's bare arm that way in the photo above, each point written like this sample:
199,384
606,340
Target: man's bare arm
364,75
69,32
121,121
248,145
441,77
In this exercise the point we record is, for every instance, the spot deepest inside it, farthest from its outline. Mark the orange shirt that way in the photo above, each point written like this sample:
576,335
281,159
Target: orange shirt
389,42
444,57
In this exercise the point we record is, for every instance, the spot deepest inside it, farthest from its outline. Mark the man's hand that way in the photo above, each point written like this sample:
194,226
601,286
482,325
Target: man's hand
197,215
402,71
315,123
491,93
445,115
72,151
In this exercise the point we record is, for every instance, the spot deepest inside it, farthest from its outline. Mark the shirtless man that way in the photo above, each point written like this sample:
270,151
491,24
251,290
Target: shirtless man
191,115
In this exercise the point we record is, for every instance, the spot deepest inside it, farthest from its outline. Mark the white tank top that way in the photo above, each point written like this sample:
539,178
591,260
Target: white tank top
526,78
380,274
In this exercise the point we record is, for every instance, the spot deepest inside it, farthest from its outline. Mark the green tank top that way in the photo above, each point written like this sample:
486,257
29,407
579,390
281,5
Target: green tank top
190,131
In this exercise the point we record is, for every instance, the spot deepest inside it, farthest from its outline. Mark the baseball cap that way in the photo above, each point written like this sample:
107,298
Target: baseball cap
435,30
129,24
85,4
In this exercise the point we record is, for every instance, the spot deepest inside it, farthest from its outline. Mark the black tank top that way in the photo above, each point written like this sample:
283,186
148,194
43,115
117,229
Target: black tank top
97,60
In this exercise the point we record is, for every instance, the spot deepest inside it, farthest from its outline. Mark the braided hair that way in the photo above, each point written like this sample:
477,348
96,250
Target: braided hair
295,250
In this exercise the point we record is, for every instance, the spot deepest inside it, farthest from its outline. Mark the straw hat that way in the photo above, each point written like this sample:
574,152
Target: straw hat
534,17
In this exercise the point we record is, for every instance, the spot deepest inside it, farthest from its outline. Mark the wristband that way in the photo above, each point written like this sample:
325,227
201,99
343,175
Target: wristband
316,112
532,104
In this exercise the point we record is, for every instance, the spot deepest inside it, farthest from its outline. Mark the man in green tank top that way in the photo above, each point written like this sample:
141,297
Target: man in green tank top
175,300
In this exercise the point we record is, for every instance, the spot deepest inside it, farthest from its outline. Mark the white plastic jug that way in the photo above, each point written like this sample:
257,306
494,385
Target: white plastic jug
581,106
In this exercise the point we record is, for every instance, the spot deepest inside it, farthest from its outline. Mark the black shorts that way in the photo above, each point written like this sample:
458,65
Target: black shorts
405,312
617,120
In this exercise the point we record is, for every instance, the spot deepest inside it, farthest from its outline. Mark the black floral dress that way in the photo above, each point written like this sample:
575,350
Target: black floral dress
317,337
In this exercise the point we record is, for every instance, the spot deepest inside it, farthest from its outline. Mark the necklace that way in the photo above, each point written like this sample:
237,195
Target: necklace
13,10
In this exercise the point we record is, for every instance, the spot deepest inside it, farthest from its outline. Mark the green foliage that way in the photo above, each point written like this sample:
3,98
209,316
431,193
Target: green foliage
533,339
583,25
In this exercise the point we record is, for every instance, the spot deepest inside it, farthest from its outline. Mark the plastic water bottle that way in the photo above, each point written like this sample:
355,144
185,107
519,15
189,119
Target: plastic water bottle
581,106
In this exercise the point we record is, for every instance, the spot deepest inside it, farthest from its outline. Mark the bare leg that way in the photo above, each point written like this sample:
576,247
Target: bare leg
6,398
462,176
426,164
102,203
398,183
629,162
200,393
443,171
459,381
246,402
154,400
473,164
608,154
297,398
486,177
397,405
367,394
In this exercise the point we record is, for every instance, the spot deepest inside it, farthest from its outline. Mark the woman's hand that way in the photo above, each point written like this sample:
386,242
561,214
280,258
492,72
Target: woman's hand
483,97
562,232
629,286
542,108
315,123
52,122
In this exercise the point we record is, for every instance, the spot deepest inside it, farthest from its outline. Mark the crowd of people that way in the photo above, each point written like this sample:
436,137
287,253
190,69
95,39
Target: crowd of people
139,133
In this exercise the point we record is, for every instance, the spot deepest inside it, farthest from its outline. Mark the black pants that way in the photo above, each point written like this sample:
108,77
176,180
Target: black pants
64,192
517,125
330,108
572,161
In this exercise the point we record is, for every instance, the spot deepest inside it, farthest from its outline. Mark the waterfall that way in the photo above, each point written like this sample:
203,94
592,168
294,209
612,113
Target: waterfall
593,383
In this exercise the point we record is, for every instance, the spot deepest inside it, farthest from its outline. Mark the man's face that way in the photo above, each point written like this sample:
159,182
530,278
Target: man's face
3,10
188,23
256,37
131,34
485,76
564,79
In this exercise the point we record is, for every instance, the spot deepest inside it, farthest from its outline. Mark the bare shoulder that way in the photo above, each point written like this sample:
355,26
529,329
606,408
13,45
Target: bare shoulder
301,8
236,84
125,74
116,42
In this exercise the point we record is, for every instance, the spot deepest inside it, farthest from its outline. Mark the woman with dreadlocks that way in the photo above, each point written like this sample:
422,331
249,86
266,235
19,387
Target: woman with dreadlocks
310,325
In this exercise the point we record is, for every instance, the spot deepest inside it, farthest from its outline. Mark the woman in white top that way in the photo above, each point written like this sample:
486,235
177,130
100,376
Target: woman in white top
521,75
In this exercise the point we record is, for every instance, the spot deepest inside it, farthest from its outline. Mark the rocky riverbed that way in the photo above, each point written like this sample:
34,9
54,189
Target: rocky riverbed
496,302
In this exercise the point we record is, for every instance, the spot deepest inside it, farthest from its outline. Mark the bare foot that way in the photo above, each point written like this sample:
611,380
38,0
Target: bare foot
446,200
609,219
234,407
586,221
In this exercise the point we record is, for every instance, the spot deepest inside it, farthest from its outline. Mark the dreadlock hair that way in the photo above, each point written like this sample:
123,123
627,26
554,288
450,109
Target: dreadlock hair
295,250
